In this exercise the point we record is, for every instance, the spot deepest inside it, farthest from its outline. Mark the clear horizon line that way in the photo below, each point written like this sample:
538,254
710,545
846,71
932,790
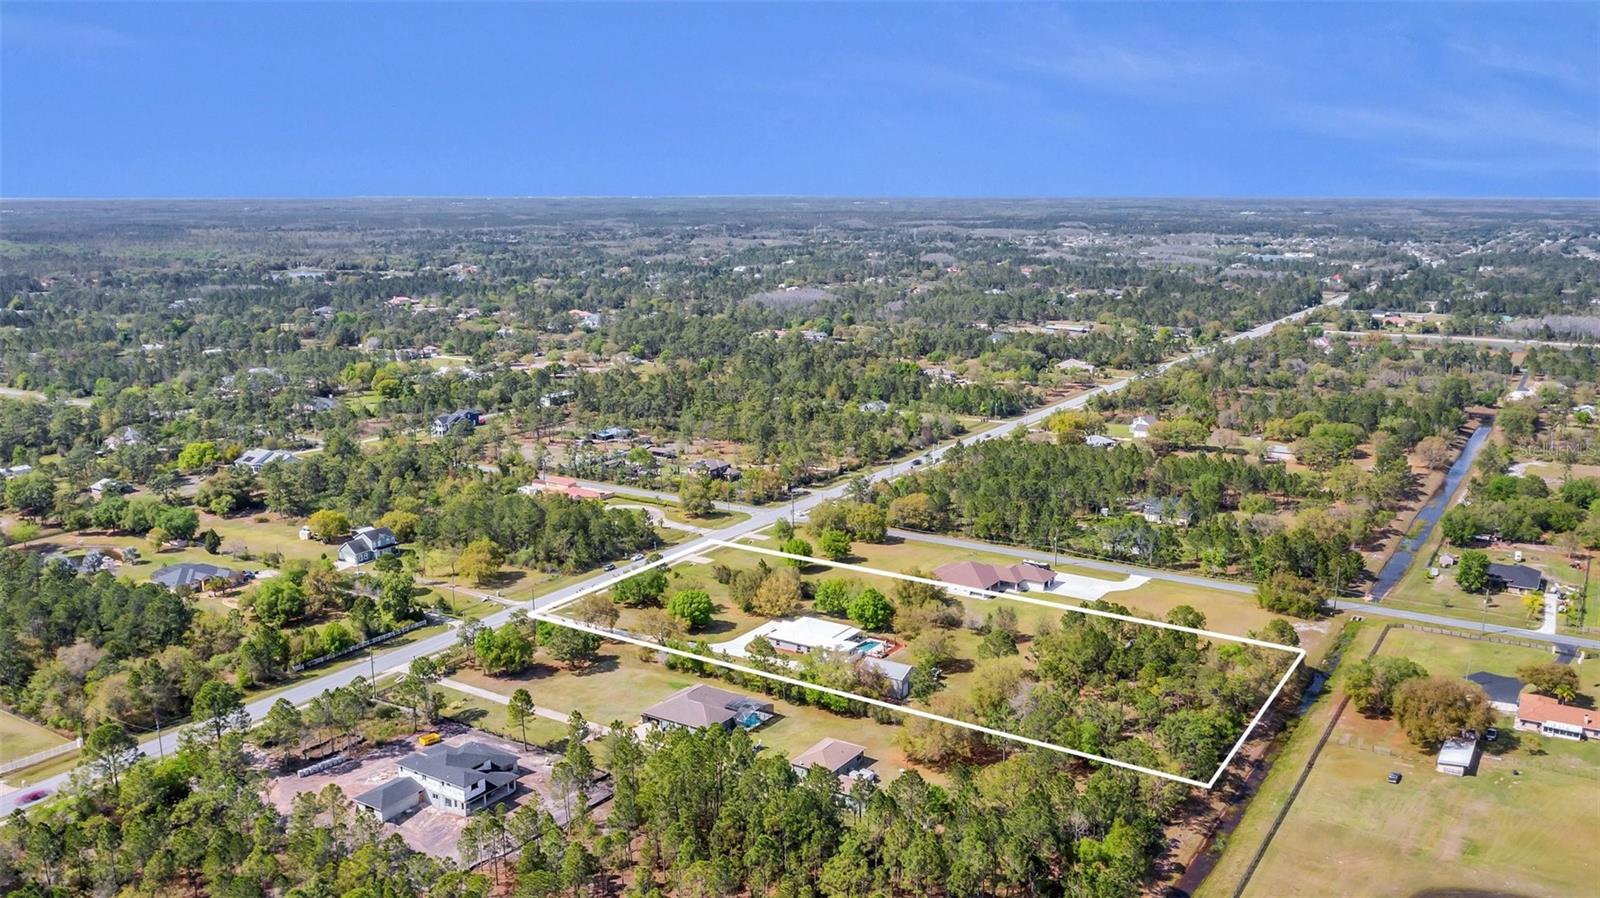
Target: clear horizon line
814,196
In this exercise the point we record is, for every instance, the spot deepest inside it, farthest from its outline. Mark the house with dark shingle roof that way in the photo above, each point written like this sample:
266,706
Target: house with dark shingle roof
1516,578
457,779
465,419
393,798
367,544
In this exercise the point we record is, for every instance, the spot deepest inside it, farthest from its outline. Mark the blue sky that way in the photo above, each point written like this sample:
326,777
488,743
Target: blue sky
884,100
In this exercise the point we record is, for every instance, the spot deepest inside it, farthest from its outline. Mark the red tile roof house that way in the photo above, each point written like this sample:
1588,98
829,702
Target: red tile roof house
1548,717
995,578
565,486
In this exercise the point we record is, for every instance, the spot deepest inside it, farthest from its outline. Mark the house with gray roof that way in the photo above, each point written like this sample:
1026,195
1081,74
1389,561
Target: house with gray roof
1516,578
697,707
368,543
194,575
457,779
256,459
393,798
463,419
833,755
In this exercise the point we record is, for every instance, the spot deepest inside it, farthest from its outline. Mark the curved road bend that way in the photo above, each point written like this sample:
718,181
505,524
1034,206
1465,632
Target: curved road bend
401,658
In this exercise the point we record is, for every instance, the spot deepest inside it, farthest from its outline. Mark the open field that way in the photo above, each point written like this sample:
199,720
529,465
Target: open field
715,520
1507,830
20,737
1457,657
274,534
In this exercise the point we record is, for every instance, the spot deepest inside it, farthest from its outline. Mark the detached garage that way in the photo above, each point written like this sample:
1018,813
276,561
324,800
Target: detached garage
392,799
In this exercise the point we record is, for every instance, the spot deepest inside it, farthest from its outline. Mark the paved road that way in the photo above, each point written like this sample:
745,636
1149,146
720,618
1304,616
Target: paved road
1504,342
1379,609
400,658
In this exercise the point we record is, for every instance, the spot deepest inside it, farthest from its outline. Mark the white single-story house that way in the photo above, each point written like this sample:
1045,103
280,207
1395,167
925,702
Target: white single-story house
804,635
1544,715
1140,428
1166,511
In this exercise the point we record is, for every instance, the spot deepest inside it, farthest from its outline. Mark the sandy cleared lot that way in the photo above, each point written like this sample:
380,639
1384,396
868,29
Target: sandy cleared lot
430,829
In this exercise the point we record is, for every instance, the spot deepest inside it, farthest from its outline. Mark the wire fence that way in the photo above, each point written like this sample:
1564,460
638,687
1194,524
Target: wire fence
1305,774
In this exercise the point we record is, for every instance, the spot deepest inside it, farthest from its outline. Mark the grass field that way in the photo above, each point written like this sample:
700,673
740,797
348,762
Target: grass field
20,737
1502,831
715,520
621,685
491,717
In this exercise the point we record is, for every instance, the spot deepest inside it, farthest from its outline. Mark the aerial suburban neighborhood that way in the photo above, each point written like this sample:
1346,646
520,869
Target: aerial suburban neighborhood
617,451
453,598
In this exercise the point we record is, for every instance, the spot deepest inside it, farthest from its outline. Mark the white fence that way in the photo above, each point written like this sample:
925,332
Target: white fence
39,757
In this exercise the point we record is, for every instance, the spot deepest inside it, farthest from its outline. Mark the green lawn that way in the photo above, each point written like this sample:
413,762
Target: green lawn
621,685
491,717
1502,831
20,737
276,534
1457,657
716,520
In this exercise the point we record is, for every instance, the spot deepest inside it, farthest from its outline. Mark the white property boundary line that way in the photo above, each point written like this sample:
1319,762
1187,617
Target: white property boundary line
547,614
